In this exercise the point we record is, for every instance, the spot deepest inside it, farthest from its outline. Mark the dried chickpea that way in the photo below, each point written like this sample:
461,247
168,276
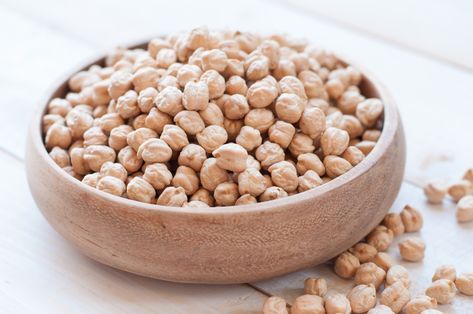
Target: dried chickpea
186,178
60,157
370,273
371,135
172,196
251,182
292,85
154,150
353,155
445,272
363,251
91,179
260,94
464,283
337,304
435,192
380,309
395,296
202,195
211,175
313,84
96,155
460,189
260,119
383,260
78,122
170,100
362,298
82,79
212,137
139,189
301,144
95,136
349,100
158,175
231,157
420,304
189,121
308,304
138,121
188,73
442,290
334,141
246,199
309,180
336,166
272,193
214,59
312,122
275,305
114,170
195,96
464,211
235,107
369,111
257,67
59,106
281,133
128,158
249,138
215,83
366,146
146,77
111,185
315,286
381,238
289,107
251,162
110,121
334,88
284,68
352,125
269,153
72,173
175,137
346,265
51,119
79,165
127,105
393,222
412,219
412,249
146,98
139,136
309,161
118,137
167,80
165,57
195,204
232,127
192,156
398,273
226,194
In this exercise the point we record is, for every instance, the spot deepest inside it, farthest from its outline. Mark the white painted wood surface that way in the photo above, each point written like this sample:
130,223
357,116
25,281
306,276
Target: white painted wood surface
40,40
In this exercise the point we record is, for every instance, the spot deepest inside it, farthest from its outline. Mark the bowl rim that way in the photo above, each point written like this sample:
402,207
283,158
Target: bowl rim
391,125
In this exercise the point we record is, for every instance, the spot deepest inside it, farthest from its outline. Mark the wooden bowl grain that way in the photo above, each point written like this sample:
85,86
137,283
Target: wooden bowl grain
221,244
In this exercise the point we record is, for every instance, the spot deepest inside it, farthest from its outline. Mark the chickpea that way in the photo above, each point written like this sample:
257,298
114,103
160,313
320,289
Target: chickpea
190,122
58,135
435,192
113,170
51,119
249,138
312,122
96,155
154,150
371,135
139,189
445,272
158,175
172,196
59,106
91,179
120,82
186,178
214,59
269,153
78,122
215,83
234,67
274,305
251,182
235,107
335,88
308,303
127,105
412,249
366,146
292,85
349,101
110,121
79,165
203,195
98,112
369,111
362,298
270,49
165,57
395,296
309,180
301,144
226,194
168,80
188,73
313,84
128,158
336,166
420,304
211,175
170,101
380,309
337,304
363,251
94,136
246,199
147,76
118,137
212,115
198,37
315,286
464,283
212,137
139,136
370,273
82,79
383,260
251,162
465,209
111,185
281,133
231,157
257,67
195,96
412,219
192,156
353,155
393,222
195,204
398,273
146,98
272,193
289,107
319,104
60,157
352,125
72,173
334,141
346,265
260,119
309,161
260,94
175,137
381,238
442,290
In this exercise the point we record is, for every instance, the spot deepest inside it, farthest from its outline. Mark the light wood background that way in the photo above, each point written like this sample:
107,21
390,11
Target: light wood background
421,50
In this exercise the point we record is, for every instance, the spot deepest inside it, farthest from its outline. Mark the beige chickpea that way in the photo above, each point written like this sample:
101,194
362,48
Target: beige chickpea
58,135
395,296
155,45
335,88
168,81
464,212
192,156
270,49
412,249
175,137
249,138
366,146
212,115
170,101
398,273
274,305
165,58
111,185
464,283
79,165
59,106
315,286
146,99
96,155
156,120
369,111
393,222
381,238
188,73
120,82
370,273
60,157
251,182
246,199
139,189
435,192
114,170
334,141
226,194
195,96
70,171
383,260
337,304
158,175
172,196
234,67
128,158
269,153
346,265
301,144
138,121
82,79
352,125
460,189
363,251
333,118
236,85
362,298
98,112
154,150
95,136
78,122
309,180
281,133
51,119
127,105
257,67
211,175
203,195
189,121
146,77
445,272
139,136
309,161
261,94
353,155
231,157
272,193
336,166
198,37
371,135
313,84
420,304
292,85
284,68
110,121
235,107
212,137
195,204
118,136
186,178
251,162
289,107
312,122
412,219
214,59
215,83
348,101
442,290
380,309
260,119
318,103
308,303
75,144
91,179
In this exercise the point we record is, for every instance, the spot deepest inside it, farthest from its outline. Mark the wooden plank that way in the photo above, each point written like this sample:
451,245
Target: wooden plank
435,28
41,273
447,243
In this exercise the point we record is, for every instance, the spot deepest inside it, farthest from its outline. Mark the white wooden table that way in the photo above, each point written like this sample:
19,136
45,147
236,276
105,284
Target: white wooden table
422,51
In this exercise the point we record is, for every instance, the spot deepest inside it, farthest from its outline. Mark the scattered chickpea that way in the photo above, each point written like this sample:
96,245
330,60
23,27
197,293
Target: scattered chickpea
381,238
412,219
460,189
395,296
464,283
383,260
445,272
420,304
412,249
308,303
398,273
435,192
465,209
315,286
337,304
363,251
346,265
394,223
442,290
275,305
362,298
370,273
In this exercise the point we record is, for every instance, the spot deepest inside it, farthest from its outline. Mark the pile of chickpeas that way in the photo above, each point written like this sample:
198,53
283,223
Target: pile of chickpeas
213,118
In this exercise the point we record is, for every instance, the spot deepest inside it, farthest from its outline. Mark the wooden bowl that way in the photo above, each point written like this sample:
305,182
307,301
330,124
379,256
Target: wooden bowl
221,244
